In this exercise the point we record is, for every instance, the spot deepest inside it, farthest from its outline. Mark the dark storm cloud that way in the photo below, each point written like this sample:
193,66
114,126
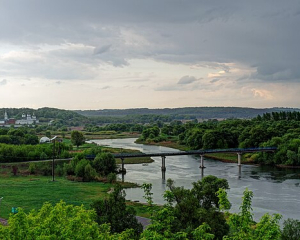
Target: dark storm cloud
260,34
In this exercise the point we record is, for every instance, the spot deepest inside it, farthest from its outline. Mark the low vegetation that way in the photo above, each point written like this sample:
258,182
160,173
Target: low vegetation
197,213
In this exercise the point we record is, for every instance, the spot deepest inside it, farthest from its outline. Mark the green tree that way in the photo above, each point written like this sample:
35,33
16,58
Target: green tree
114,211
52,222
242,225
291,229
77,138
187,209
105,163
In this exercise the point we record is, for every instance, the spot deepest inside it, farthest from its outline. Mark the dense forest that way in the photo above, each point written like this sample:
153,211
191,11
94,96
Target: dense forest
187,112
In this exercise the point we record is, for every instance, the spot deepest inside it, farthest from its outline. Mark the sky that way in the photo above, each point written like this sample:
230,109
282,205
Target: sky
117,54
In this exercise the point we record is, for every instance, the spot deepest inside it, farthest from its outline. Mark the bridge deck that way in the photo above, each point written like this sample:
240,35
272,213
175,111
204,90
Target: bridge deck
195,152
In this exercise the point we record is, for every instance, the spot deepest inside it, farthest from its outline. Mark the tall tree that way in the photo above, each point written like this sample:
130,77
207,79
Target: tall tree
114,211
77,138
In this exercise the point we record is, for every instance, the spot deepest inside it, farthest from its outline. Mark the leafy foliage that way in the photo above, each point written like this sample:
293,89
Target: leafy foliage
114,211
291,229
187,209
242,225
105,163
77,138
52,222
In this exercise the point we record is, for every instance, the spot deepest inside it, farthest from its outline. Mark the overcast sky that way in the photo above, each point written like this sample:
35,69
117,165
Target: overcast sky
93,54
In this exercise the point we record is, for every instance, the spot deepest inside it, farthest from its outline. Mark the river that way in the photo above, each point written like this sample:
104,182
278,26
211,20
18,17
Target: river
275,190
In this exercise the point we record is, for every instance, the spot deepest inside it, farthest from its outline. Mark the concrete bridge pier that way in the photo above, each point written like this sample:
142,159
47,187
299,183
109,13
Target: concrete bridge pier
240,172
163,163
239,158
123,169
202,173
202,161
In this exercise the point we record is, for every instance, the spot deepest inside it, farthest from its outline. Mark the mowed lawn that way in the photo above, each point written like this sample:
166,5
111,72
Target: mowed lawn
31,192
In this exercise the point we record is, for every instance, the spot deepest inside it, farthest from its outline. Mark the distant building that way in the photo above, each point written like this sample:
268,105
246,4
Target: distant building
44,140
26,120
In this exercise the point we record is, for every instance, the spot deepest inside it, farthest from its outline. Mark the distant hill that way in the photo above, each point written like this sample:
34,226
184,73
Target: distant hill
66,117
187,112
138,115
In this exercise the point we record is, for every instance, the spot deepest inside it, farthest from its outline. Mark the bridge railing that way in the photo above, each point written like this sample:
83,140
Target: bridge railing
192,152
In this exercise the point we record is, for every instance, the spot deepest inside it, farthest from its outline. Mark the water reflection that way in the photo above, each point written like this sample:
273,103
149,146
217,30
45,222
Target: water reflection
163,176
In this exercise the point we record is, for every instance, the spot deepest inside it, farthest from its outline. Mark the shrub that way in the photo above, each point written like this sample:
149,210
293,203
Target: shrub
89,173
112,177
59,171
291,229
43,156
105,163
80,167
68,169
46,169
32,168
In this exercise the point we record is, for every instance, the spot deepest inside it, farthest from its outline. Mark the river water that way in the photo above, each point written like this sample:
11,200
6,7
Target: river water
275,190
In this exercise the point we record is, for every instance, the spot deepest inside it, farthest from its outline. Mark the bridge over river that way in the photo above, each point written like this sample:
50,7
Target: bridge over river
163,155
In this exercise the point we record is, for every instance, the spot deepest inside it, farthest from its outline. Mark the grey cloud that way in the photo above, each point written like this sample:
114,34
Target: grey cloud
215,80
3,82
102,49
106,87
187,80
255,33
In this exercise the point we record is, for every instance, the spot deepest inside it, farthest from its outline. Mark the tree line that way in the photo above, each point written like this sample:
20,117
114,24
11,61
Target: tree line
281,130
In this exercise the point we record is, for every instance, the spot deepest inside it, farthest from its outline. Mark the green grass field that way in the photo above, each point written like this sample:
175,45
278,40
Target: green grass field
31,192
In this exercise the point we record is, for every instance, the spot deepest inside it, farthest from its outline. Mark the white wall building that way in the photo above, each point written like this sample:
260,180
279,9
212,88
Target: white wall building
27,120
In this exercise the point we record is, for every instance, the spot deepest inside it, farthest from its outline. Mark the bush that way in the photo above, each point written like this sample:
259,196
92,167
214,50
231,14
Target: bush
105,163
59,171
75,160
112,177
46,169
68,169
89,173
43,156
291,229
80,167
65,154
32,168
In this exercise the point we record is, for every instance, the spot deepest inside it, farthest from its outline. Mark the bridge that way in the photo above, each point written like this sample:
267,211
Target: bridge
201,153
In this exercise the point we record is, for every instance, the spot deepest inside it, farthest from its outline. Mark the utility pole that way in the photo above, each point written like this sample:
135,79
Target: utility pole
53,140
1,199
